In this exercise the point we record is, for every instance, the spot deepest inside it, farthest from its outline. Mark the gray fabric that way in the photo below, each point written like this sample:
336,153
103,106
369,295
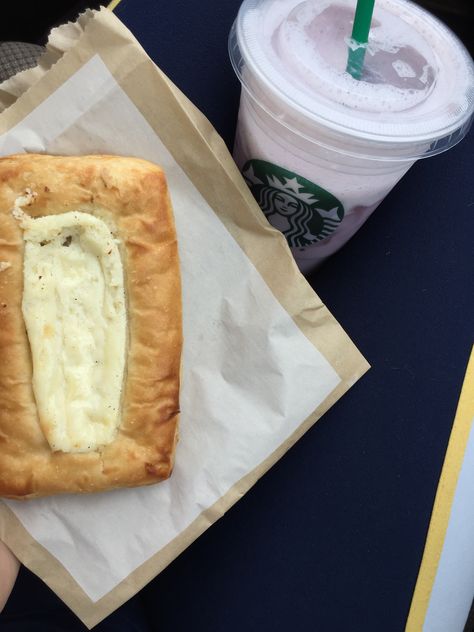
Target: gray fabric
16,56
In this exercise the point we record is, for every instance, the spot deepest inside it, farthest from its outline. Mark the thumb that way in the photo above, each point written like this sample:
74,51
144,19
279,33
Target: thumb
9,567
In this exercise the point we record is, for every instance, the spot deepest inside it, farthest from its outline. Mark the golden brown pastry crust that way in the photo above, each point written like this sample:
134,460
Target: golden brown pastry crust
131,195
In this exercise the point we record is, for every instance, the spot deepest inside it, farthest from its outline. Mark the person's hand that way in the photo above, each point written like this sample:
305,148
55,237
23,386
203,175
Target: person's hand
9,566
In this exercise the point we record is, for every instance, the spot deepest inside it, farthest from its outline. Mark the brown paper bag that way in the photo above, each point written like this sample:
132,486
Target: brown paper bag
263,357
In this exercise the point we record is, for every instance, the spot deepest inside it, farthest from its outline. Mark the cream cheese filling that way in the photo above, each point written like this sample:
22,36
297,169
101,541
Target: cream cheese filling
76,320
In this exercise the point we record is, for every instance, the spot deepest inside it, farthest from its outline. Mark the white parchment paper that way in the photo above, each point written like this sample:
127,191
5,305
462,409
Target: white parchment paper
250,376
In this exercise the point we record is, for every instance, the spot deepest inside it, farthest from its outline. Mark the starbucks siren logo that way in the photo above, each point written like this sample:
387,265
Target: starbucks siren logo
303,211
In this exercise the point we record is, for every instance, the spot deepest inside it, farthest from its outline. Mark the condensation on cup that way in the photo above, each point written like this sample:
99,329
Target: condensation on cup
319,149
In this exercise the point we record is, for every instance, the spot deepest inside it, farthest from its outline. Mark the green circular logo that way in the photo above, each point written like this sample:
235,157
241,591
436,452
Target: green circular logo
303,211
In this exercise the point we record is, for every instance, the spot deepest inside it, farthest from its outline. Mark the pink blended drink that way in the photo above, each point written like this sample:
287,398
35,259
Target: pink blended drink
320,149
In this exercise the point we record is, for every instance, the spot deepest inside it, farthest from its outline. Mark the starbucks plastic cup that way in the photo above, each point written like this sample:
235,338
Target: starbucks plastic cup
320,149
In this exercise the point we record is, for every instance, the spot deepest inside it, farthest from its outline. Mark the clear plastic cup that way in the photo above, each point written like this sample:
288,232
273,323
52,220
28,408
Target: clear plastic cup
319,149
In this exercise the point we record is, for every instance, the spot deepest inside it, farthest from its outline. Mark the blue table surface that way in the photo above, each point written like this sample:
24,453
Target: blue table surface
332,537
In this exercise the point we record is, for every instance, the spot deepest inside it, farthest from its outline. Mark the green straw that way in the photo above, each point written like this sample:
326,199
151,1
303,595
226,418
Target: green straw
360,35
